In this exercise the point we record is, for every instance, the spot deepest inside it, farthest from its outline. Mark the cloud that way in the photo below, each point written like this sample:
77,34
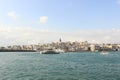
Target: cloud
118,1
43,19
14,35
12,14
11,35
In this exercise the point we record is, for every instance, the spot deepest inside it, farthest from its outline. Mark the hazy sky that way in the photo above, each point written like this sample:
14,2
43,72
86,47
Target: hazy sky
39,21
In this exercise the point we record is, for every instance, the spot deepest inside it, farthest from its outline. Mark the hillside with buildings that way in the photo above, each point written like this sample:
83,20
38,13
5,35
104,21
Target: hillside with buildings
66,46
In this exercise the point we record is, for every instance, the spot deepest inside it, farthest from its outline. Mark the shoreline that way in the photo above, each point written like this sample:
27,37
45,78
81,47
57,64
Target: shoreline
17,50
65,51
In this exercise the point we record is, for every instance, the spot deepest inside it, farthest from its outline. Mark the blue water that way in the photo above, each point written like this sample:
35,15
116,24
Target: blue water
66,66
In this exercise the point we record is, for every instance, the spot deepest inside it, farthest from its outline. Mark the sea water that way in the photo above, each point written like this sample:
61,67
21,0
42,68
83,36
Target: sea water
65,66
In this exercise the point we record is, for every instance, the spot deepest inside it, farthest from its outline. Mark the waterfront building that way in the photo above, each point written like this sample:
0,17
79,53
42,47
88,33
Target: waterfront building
16,47
9,47
36,47
92,47
2,48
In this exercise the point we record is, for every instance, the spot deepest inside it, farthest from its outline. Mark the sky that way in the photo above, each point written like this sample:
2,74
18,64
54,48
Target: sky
42,21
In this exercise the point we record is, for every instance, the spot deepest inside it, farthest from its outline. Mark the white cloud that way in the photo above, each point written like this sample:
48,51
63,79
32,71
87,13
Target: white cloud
118,1
10,35
43,19
12,14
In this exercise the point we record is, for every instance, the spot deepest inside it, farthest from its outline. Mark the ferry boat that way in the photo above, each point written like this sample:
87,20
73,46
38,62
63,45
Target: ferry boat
52,51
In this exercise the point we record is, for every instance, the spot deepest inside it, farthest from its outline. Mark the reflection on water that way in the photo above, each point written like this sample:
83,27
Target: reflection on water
67,66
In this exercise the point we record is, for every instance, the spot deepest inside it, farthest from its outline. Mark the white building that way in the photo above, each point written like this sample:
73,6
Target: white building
92,47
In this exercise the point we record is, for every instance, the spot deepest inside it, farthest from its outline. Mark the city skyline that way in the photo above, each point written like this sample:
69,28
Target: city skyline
42,21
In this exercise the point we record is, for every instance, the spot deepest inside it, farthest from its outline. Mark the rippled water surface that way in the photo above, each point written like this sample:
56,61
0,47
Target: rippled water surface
66,66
